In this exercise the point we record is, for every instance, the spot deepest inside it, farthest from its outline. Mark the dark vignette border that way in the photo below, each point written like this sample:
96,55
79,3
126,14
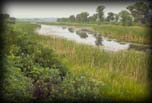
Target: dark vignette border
87,100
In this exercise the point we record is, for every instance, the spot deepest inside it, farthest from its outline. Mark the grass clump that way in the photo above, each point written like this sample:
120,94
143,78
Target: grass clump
71,30
82,34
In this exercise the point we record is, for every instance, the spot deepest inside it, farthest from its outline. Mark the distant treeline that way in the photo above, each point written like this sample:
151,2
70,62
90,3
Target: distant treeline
138,13
7,18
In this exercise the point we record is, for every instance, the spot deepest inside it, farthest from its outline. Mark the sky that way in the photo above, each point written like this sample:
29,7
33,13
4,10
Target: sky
59,9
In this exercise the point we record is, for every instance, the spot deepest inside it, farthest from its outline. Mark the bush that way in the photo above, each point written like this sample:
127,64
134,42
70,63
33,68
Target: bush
33,70
82,34
16,86
71,30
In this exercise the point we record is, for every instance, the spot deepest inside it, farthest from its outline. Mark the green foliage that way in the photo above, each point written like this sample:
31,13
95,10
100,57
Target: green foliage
140,11
16,86
82,34
140,14
31,65
92,18
6,18
105,68
36,72
82,17
46,58
100,13
72,18
126,18
46,80
110,17
79,87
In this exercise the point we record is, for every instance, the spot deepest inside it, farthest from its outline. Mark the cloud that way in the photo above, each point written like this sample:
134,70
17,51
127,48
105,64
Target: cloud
57,9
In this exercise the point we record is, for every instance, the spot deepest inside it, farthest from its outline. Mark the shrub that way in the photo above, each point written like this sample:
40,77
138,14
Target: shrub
71,30
33,70
82,34
16,86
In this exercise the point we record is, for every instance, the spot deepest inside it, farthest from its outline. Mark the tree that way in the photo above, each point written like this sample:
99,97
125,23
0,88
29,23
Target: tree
148,17
72,18
7,18
100,13
82,17
116,17
4,16
78,17
62,19
110,17
139,10
125,17
92,18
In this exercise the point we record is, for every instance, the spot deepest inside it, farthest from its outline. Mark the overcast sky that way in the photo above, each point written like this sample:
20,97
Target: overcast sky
59,9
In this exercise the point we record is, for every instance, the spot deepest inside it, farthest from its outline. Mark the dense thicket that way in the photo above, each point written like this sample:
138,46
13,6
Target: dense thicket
31,70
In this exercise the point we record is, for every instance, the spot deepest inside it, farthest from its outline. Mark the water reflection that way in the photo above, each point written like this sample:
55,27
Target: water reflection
63,27
113,45
144,48
71,29
82,36
98,40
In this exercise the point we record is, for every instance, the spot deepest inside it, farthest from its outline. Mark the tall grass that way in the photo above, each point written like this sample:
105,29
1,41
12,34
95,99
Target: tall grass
135,34
93,72
124,73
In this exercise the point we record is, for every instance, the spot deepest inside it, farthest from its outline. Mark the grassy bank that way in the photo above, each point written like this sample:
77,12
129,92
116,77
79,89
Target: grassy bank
89,72
120,75
135,34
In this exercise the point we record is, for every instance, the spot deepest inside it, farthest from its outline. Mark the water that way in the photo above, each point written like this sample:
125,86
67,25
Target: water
90,39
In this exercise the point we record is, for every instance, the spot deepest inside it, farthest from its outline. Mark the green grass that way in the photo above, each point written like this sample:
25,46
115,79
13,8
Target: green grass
92,72
24,28
135,34
90,61
124,73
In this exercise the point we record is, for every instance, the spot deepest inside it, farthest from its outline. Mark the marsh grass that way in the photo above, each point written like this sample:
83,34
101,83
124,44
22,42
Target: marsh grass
124,73
134,34
93,72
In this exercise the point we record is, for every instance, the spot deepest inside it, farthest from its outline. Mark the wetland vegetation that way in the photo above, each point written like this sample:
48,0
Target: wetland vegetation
48,67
